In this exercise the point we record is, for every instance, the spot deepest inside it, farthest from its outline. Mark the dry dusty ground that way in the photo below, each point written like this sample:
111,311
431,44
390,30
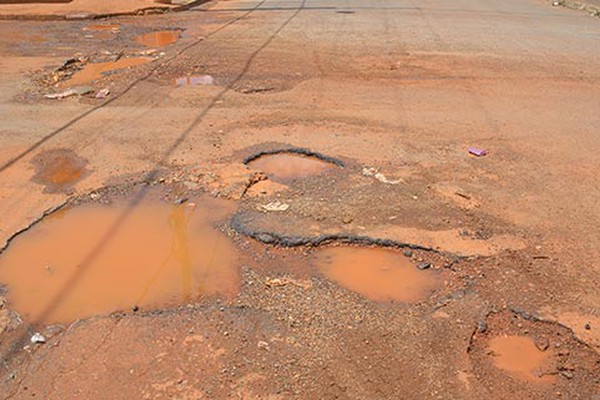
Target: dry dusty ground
396,87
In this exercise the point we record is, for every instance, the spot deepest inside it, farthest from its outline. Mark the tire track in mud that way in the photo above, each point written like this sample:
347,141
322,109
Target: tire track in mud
12,351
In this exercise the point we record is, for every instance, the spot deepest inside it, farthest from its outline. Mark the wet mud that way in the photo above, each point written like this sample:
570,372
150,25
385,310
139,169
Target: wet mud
159,38
99,258
94,71
59,170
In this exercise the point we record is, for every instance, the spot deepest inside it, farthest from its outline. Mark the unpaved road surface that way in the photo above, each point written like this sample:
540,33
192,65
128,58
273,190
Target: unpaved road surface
275,199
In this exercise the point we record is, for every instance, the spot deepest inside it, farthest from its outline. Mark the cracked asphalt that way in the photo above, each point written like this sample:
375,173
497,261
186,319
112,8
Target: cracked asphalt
391,93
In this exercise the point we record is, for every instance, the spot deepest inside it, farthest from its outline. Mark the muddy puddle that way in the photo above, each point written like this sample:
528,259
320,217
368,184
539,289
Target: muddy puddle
378,274
289,166
93,71
159,39
519,356
75,263
58,170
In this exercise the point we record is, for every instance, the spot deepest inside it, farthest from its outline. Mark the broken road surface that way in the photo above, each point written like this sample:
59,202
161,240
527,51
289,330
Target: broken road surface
267,199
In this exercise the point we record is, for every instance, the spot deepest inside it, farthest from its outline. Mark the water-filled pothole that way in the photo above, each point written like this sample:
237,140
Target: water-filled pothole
520,356
93,71
59,170
159,38
376,273
287,166
515,352
96,259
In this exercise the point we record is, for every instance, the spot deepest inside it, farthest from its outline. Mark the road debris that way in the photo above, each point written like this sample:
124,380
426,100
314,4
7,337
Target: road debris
374,172
256,90
275,206
542,343
70,63
149,52
279,282
424,265
477,152
75,90
464,196
482,327
103,93
263,345
38,338
230,181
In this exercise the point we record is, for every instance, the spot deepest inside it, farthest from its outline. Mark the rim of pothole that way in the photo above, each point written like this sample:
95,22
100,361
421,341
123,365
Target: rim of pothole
301,151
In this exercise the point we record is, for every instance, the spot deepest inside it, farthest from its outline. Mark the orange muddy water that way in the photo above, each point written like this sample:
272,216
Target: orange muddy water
75,264
94,71
159,39
287,166
519,355
378,274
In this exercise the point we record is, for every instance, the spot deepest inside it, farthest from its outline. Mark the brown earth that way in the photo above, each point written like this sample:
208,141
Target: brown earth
386,98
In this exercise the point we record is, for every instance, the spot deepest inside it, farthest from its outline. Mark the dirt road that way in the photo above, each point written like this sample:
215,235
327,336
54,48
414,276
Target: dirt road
276,199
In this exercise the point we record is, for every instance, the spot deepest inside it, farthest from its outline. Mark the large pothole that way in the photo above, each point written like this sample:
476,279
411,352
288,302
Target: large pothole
99,258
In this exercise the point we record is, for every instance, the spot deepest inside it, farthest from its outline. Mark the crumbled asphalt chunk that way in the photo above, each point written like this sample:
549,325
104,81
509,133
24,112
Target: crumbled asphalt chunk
482,327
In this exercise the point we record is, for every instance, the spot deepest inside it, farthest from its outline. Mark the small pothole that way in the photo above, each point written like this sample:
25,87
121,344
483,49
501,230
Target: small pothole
287,165
379,274
532,358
